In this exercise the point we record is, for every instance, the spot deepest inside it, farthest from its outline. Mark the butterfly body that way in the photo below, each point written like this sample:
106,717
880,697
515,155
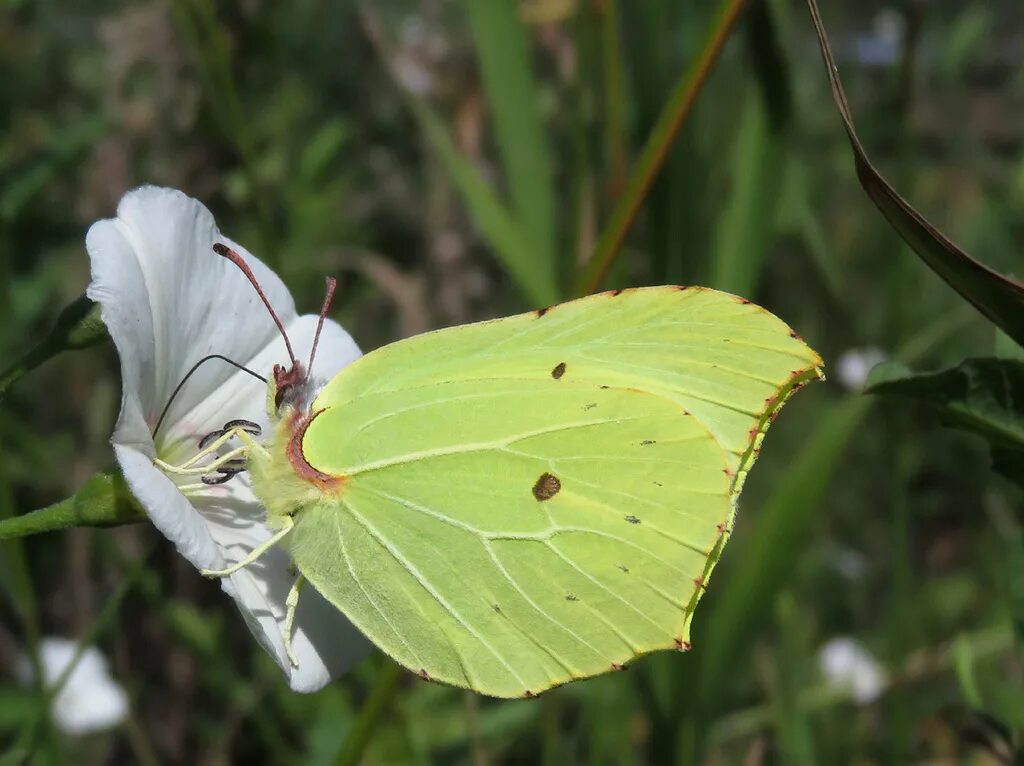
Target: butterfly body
514,504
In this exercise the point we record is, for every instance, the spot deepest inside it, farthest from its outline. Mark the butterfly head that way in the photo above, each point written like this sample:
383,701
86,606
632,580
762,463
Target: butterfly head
290,387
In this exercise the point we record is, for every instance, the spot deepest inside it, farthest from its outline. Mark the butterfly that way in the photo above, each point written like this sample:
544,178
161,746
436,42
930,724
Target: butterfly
514,504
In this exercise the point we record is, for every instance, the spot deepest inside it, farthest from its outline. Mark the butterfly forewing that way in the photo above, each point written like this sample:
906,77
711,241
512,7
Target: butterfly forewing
541,498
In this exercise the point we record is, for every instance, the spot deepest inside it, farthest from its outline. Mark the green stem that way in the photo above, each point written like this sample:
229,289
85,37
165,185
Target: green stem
78,326
103,501
385,686
674,114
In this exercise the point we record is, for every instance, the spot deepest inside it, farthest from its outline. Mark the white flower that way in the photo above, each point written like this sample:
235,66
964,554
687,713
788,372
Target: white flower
90,700
854,365
168,300
848,665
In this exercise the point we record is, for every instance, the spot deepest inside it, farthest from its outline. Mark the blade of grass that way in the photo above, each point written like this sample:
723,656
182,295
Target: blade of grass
503,232
502,48
614,117
646,167
385,687
747,225
999,298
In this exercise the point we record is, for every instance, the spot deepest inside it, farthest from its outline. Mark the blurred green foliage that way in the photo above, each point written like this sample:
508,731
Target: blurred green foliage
453,161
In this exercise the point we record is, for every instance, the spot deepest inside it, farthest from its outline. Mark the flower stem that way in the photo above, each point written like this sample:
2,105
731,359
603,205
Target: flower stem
103,501
385,686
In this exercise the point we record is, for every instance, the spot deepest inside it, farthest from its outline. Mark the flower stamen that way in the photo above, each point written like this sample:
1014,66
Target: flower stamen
189,468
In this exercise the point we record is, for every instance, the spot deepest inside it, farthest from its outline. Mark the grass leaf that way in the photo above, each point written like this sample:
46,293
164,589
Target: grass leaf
999,298
645,169
502,48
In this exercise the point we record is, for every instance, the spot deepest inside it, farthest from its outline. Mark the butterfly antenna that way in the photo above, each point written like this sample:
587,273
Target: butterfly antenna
235,258
332,283
184,380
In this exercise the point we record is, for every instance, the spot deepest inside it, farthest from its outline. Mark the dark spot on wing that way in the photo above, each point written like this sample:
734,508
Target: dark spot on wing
547,486
559,370
623,567
658,484
589,406
632,519
570,597
496,608
647,442
529,695
542,312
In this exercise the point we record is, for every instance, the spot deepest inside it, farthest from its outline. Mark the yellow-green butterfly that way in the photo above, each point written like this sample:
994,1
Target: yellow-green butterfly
511,505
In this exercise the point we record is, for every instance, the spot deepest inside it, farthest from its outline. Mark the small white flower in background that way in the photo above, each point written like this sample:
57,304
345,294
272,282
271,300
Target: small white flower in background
846,664
854,365
168,301
90,699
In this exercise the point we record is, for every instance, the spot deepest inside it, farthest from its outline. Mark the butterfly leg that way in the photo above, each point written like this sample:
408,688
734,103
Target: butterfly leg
255,553
291,604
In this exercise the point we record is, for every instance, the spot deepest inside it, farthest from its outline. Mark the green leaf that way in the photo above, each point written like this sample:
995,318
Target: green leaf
999,298
982,396
503,51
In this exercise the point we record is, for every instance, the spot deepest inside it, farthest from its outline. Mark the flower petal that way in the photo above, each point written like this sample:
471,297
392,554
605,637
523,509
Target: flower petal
90,700
168,300
169,510
324,642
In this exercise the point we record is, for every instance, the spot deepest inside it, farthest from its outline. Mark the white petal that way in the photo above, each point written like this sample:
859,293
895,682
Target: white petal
90,700
169,510
324,642
168,300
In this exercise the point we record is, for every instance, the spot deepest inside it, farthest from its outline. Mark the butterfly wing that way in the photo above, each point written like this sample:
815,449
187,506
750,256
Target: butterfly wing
542,498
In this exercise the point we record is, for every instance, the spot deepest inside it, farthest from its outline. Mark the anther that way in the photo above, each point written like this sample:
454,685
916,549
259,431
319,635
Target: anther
246,425
210,438
212,480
